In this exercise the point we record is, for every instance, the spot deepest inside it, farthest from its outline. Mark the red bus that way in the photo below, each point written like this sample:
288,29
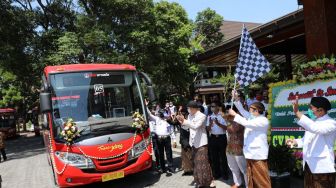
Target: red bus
101,100
8,122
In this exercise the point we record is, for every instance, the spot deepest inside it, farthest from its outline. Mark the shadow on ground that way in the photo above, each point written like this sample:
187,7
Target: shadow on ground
23,147
139,180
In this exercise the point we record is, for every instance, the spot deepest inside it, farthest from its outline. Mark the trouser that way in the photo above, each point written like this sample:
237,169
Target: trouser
257,174
156,150
237,164
324,180
218,161
164,145
3,153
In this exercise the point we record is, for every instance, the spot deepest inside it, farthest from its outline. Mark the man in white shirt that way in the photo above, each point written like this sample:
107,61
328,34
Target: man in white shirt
216,126
164,132
199,142
317,143
152,127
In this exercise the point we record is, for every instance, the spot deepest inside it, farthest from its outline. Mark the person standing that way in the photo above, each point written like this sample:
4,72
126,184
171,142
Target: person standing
198,140
165,133
154,136
2,146
186,150
255,146
234,151
317,143
216,126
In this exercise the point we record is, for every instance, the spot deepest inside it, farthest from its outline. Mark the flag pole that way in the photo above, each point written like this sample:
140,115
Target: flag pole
235,82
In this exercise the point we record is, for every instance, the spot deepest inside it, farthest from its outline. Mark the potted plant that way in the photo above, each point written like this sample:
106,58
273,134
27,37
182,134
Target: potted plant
281,162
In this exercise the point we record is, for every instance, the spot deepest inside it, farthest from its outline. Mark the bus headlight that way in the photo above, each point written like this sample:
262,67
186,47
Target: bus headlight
76,160
137,150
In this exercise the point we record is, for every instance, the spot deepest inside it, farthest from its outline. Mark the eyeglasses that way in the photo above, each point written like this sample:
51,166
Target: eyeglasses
254,109
314,109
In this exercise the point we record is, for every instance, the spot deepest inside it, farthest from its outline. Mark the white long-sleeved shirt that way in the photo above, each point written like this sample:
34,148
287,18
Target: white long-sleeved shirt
255,134
317,143
196,123
161,127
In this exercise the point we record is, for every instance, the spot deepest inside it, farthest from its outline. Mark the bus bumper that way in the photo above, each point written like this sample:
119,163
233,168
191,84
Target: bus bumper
73,176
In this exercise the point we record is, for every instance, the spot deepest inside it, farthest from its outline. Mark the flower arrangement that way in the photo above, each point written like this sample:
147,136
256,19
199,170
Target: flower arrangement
322,68
298,169
139,122
70,131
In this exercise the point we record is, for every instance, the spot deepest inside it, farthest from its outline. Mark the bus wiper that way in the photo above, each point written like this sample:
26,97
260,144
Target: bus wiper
114,128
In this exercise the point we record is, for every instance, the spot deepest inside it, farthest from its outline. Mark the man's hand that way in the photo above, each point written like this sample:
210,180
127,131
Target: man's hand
146,102
180,118
174,145
291,143
296,107
216,121
232,112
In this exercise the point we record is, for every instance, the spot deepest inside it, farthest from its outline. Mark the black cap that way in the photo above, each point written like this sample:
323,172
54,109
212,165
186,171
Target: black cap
193,104
321,102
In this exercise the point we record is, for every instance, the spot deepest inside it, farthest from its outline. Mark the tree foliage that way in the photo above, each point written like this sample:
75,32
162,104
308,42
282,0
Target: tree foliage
155,36
208,24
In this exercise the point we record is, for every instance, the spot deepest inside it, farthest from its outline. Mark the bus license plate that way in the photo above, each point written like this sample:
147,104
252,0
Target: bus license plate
112,176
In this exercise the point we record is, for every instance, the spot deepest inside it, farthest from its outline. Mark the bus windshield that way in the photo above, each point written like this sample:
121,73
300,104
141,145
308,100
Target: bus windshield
98,102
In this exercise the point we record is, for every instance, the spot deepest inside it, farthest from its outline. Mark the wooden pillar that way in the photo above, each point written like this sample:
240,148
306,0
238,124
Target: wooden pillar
288,67
320,27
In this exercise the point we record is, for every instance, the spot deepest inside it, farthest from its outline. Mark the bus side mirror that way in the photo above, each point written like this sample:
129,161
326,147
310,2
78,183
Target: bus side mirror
151,94
149,84
45,102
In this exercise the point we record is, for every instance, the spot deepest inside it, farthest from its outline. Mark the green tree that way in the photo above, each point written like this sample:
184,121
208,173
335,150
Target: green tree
208,24
10,95
172,30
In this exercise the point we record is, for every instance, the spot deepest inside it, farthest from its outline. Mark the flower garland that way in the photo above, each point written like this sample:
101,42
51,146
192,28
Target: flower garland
53,159
70,131
139,122
323,68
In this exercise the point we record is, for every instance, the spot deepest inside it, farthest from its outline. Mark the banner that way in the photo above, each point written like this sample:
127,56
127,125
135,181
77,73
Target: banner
283,120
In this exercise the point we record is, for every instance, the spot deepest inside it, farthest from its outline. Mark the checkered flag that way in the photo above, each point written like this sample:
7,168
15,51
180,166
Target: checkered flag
251,63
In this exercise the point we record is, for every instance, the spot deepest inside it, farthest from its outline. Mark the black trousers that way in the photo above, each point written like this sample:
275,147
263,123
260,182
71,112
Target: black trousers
164,145
218,160
156,150
3,153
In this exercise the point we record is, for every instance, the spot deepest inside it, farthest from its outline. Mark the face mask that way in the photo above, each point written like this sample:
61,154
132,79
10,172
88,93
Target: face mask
311,114
252,116
189,111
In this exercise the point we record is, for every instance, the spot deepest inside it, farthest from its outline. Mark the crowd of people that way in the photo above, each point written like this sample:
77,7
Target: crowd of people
218,140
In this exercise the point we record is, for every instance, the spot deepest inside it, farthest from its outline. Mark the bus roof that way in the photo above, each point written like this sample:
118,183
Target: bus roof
6,110
86,67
